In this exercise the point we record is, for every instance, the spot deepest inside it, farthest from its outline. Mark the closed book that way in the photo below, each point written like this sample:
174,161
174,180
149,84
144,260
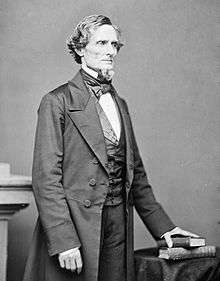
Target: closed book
185,242
183,253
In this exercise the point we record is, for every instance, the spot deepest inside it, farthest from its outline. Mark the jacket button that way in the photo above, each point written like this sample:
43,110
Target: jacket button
131,166
92,182
111,181
127,185
95,161
87,203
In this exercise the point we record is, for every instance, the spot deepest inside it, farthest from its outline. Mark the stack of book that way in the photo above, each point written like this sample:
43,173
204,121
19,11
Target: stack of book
185,248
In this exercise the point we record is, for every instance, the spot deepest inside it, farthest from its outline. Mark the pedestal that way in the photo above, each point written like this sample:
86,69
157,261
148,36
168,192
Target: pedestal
15,194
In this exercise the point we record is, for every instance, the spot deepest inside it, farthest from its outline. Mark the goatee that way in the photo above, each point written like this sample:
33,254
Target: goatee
107,74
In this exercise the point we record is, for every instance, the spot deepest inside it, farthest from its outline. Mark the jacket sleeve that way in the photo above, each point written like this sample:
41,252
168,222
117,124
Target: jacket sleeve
147,207
54,214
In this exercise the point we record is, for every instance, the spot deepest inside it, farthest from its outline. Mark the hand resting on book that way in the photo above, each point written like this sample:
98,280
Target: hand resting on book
183,241
176,231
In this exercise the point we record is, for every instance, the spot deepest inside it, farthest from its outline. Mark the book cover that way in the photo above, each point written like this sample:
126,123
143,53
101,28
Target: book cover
185,242
183,253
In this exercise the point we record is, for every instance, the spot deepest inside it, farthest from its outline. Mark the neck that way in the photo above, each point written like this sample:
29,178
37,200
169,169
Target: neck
89,70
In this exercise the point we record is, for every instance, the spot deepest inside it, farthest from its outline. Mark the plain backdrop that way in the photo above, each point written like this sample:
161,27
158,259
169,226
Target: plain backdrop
166,71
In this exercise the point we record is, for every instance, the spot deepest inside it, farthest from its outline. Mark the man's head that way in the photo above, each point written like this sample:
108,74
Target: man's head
95,42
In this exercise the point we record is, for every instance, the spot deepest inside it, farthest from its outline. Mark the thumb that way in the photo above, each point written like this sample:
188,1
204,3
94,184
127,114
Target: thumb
168,241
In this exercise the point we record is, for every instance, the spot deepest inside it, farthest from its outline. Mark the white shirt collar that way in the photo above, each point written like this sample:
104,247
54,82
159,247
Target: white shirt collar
90,71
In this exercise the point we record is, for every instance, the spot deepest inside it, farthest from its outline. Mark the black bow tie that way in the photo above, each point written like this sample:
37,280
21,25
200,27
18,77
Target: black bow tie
98,86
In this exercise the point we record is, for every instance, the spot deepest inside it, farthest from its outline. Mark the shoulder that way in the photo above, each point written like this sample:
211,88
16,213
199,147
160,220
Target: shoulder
54,101
121,98
56,95
123,101
63,94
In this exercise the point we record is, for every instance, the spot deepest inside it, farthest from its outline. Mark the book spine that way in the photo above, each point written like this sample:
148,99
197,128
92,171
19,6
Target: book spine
176,243
181,253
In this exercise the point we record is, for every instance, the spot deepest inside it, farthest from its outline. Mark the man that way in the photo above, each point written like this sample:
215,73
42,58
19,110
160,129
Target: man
87,171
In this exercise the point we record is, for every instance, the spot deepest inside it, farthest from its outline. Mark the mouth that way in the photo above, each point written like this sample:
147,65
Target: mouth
108,61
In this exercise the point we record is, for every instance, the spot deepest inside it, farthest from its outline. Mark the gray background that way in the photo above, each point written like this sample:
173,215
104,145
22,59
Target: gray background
167,73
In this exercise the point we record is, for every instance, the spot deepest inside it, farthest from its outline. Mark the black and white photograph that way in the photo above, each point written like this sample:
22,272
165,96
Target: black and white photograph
109,140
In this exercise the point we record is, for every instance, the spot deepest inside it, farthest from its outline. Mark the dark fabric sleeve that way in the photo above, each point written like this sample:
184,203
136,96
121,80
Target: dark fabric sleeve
149,210
47,177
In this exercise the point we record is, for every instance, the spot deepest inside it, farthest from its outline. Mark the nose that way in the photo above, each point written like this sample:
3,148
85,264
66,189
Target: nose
110,50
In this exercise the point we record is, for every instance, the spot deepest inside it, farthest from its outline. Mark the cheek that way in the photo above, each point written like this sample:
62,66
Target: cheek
93,53
96,54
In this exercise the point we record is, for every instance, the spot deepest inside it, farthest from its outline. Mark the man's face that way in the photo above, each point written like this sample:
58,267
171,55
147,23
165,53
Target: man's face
101,50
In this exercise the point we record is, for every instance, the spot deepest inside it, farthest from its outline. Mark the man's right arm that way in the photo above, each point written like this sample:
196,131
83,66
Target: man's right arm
54,214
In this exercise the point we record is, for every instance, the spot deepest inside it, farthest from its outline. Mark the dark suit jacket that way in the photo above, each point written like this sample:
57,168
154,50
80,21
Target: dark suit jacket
70,182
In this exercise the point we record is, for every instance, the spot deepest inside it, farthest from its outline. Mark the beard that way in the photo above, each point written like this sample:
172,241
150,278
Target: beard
107,74
103,73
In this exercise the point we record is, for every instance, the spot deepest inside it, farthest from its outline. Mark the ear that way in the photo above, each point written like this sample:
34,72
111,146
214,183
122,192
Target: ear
80,52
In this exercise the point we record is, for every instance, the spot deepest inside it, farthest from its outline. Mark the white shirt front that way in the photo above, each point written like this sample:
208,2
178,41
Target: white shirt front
108,105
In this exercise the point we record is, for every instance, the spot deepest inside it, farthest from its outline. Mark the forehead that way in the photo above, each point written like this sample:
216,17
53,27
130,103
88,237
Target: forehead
104,32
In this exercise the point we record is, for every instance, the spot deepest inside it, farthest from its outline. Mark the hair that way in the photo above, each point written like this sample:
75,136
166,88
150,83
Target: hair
83,31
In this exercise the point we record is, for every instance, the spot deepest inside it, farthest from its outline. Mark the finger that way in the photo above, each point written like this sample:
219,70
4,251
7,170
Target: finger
187,233
72,264
192,234
79,263
61,261
168,241
67,263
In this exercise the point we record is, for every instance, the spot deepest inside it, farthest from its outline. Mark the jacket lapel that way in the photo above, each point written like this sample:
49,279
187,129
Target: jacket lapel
82,111
128,138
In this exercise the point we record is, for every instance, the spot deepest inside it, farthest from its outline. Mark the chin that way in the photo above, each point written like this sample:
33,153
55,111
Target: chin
108,66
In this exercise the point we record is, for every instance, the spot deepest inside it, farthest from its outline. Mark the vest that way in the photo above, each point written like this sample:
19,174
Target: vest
116,160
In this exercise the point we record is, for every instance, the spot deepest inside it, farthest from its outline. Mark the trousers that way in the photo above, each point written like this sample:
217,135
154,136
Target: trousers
112,244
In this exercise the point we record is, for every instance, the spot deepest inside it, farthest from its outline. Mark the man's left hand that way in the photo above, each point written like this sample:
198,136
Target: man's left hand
176,230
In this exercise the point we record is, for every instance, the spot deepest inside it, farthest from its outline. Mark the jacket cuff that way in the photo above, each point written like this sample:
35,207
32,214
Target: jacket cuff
158,222
61,238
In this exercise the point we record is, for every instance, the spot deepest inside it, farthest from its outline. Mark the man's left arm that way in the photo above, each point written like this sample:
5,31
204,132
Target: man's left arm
149,210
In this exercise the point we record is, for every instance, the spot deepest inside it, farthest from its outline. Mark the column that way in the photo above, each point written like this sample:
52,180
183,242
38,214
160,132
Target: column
15,194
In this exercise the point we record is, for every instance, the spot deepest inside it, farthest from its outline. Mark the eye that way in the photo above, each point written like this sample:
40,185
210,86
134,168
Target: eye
115,45
102,42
